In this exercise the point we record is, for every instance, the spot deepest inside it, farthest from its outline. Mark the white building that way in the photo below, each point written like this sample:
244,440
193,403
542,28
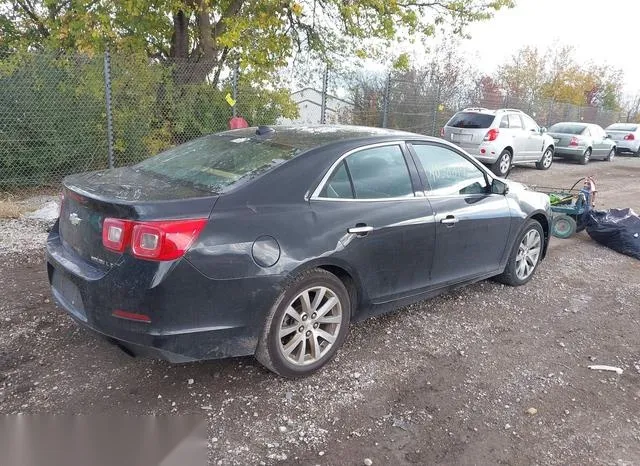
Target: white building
309,103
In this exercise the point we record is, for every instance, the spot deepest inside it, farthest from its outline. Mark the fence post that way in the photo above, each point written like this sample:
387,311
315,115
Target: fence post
107,95
436,104
234,85
323,103
385,102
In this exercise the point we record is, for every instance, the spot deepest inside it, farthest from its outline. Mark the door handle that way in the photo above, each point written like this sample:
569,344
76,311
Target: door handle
360,230
449,220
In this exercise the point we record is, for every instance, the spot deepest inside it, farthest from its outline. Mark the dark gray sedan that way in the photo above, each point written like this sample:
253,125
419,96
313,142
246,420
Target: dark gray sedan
582,142
271,241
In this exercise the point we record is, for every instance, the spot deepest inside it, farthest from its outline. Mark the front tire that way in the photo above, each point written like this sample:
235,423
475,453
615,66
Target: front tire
585,157
306,326
525,256
612,155
546,160
502,166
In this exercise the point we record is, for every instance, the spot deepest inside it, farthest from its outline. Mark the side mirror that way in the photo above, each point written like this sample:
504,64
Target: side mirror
543,130
607,136
499,187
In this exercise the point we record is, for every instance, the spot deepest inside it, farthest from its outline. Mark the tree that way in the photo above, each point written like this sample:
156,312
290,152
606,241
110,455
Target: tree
487,93
261,34
556,75
523,77
631,108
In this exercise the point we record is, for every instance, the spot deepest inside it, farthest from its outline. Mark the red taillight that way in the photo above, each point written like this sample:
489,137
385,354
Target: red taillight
629,137
131,316
163,240
492,134
574,141
115,234
441,132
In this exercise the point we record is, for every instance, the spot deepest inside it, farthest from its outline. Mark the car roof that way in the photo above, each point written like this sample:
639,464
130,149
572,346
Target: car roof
312,136
574,123
624,126
489,111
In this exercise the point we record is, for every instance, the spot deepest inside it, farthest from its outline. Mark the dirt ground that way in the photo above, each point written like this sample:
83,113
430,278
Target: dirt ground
448,381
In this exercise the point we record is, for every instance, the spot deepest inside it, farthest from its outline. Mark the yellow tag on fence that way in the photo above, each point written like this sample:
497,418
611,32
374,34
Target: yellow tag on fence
230,100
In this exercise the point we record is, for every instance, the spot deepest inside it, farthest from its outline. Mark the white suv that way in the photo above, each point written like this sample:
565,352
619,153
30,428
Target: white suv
500,138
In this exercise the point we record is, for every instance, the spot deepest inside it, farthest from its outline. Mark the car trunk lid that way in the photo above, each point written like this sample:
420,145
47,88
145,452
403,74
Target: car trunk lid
618,135
562,139
122,193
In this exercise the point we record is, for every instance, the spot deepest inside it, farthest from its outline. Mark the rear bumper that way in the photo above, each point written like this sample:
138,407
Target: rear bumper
485,153
191,316
569,152
627,146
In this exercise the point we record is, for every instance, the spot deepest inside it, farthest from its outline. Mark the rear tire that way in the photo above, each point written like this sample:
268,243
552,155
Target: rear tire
585,157
524,252
546,160
563,227
502,166
306,325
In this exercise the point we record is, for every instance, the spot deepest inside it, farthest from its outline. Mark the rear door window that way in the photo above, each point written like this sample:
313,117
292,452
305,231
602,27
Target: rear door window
504,122
471,120
515,121
529,124
338,186
379,173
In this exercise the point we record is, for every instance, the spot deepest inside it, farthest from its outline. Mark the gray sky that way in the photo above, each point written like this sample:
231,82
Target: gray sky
594,27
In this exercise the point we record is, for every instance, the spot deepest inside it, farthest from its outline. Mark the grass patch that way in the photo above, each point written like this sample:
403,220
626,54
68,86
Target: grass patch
10,209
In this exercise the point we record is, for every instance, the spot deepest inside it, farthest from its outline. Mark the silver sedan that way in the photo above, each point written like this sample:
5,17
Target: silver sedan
626,136
582,142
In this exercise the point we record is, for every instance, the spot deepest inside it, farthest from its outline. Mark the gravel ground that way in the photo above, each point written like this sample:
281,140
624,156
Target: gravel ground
485,375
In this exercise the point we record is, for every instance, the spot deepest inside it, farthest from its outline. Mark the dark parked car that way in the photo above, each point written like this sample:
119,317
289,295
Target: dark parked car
270,241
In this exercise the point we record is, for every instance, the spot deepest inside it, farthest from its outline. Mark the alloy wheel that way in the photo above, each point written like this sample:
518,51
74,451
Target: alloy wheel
528,254
505,163
310,325
547,158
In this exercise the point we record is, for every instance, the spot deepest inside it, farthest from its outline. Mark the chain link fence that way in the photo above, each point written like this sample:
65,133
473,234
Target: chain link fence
62,114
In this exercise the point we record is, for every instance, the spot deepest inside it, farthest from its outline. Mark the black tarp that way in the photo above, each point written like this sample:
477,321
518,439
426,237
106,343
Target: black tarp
618,229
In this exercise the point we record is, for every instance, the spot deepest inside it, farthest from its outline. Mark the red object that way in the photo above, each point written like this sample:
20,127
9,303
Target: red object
131,316
629,137
155,240
115,234
482,151
492,134
574,141
237,123
441,132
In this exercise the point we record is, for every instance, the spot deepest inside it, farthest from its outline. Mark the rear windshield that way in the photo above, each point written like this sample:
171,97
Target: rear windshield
567,128
471,120
623,127
213,162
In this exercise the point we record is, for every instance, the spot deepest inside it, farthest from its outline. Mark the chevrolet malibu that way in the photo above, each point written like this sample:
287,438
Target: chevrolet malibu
270,241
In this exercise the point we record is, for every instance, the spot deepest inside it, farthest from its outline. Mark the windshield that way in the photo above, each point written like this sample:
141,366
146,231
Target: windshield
567,128
213,162
471,120
623,127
